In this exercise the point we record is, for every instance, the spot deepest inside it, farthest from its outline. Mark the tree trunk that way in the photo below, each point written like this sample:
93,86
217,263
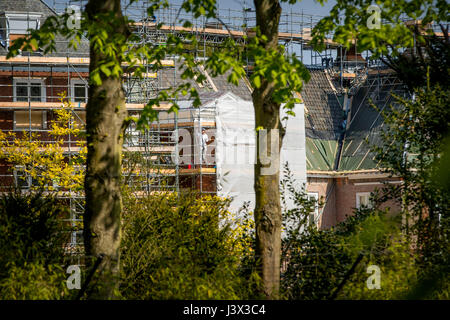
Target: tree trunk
267,116
105,115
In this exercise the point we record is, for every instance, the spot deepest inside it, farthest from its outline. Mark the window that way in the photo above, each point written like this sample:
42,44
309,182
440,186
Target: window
22,179
79,91
363,199
23,120
20,23
314,216
24,88
132,136
79,120
15,25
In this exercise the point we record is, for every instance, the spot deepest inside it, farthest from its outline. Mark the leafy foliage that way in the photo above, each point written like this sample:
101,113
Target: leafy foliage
285,73
34,281
333,263
32,242
419,129
428,62
312,260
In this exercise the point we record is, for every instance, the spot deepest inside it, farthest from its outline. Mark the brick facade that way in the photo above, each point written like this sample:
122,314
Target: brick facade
338,195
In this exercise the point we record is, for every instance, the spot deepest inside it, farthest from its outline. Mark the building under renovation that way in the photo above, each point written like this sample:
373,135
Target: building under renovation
210,149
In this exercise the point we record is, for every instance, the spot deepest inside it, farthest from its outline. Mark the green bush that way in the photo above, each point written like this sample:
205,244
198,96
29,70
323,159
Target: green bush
181,246
332,264
34,281
32,242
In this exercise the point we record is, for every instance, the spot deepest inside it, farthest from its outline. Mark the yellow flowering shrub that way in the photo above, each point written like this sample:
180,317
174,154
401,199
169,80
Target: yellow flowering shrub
47,163
182,246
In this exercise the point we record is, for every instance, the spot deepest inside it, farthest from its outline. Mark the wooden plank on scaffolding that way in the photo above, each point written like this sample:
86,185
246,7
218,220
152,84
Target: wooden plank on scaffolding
62,60
152,149
198,170
44,60
140,106
151,75
41,74
35,105
348,75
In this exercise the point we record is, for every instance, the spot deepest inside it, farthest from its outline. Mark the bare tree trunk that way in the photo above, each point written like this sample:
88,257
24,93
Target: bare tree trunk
105,115
267,116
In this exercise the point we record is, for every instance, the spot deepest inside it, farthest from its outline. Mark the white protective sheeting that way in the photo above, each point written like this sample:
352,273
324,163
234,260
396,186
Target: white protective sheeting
235,149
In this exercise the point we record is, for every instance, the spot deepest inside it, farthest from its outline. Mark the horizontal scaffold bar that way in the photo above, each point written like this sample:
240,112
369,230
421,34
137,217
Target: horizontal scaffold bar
172,171
183,124
77,105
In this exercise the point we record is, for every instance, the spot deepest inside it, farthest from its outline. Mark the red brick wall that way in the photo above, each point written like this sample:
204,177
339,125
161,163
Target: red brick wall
192,182
6,89
324,187
341,201
55,86
346,196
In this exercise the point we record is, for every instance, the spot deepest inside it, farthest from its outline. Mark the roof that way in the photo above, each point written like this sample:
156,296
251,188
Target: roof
25,6
324,115
332,144
212,87
366,122
61,44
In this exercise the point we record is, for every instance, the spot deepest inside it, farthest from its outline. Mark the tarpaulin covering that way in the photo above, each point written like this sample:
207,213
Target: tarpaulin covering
236,149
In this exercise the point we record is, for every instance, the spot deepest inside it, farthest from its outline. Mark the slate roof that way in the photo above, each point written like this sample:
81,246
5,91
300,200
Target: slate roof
366,123
242,90
25,6
325,127
168,76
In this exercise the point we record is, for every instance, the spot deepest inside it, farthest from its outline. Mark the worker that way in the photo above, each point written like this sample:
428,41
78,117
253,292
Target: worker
204,144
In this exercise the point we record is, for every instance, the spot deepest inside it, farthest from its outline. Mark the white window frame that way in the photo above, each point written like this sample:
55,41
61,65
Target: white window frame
73,82
360,194
27,179
133,135
29,82
315,195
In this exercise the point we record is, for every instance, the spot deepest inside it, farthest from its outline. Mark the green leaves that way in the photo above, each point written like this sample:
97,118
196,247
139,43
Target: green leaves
32,239
182,246
95,77
257,81
283,74
105,70
199,8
